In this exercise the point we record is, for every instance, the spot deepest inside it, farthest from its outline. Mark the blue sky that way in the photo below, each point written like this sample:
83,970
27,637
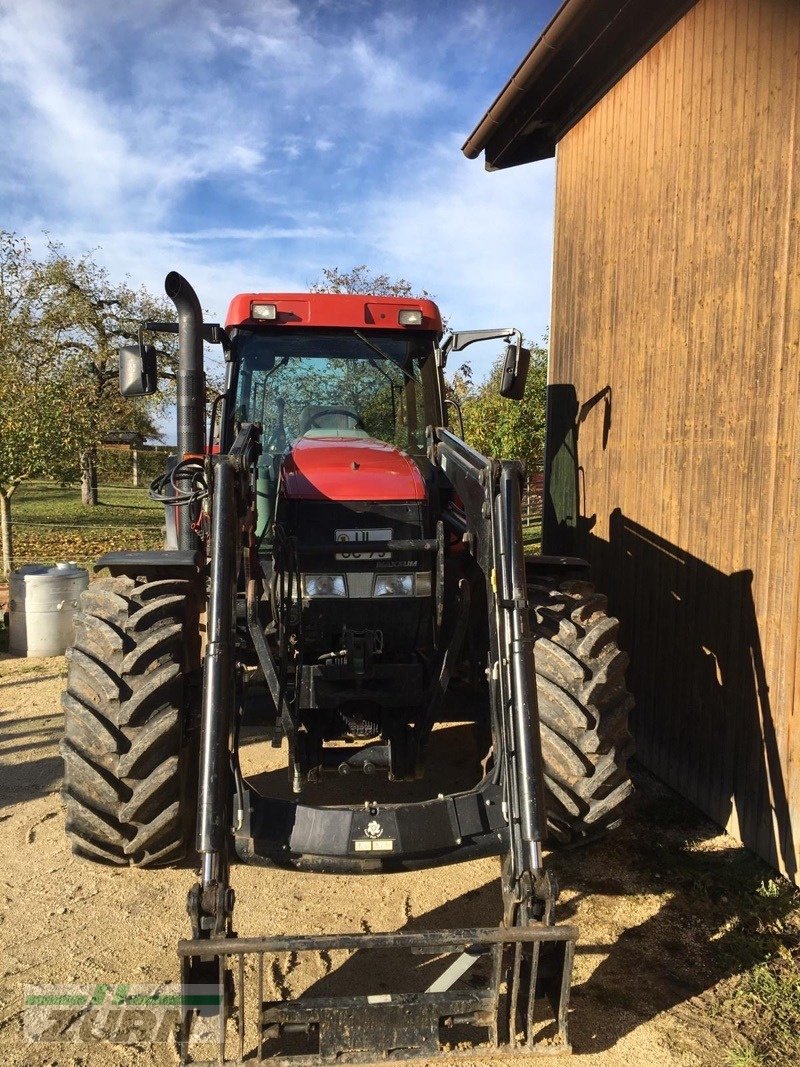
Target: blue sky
250,143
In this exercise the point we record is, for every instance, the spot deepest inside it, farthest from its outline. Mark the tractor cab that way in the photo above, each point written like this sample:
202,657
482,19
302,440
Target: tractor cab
345,391
338,369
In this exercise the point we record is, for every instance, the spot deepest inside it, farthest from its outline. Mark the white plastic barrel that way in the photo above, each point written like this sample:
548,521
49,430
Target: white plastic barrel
42,605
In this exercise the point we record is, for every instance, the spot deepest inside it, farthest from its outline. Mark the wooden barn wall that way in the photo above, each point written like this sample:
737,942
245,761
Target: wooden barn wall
674,402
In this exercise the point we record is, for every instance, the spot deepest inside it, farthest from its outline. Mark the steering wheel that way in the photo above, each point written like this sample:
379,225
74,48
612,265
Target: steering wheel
311,422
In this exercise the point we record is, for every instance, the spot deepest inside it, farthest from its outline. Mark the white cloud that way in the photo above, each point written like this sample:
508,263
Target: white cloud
292,147
369,70
244,157
95,153
387,86
69,133
250,143
218,263
118,113
481,242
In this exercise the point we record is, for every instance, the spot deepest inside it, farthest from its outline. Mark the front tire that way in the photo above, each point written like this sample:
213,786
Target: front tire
584,707
130,724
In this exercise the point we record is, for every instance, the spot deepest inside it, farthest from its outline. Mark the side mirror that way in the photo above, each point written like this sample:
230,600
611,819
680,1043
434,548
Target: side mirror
515,371
138,372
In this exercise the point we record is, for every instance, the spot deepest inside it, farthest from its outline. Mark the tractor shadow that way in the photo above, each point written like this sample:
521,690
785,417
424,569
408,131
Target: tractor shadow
32,678
708,648
21,778
709,901
452,764
711,921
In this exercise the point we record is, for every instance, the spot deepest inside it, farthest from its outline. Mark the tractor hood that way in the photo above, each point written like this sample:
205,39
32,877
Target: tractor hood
335,468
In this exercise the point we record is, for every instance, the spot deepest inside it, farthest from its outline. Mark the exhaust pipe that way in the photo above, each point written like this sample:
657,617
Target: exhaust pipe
191,401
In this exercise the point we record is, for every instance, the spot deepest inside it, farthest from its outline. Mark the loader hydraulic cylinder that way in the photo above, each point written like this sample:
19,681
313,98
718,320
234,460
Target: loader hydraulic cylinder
218,682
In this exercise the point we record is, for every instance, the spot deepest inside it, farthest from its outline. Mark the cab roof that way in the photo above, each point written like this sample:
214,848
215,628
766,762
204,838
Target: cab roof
333,309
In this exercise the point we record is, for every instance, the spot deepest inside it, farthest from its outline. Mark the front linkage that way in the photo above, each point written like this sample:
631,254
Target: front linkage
527,961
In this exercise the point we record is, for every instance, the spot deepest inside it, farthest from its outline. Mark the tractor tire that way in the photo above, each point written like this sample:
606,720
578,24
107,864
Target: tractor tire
131,724
583,709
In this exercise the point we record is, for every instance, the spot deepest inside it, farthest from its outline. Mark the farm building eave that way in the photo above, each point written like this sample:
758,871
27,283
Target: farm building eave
585,49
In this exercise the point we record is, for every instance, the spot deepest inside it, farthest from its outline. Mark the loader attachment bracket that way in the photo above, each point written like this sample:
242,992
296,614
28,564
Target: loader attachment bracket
473,992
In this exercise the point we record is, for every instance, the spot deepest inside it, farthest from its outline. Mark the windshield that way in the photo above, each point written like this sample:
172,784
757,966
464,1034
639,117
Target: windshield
301,383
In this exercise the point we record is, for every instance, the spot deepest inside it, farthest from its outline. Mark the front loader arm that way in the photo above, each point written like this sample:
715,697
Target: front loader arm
490,493
232,520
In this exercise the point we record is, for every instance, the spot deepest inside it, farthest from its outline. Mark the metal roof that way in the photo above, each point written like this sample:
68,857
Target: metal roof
585,49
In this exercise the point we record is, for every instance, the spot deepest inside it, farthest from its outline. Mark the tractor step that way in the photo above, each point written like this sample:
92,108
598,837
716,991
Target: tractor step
487,992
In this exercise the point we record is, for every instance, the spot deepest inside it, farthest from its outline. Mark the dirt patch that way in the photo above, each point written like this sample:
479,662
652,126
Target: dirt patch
658,906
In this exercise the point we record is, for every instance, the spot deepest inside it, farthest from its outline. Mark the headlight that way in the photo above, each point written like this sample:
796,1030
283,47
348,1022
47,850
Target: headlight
324,585
393,585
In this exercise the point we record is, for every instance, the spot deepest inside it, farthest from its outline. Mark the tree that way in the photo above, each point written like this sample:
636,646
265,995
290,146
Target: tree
502,428
91,316
39,426
42,401
361,280
58,318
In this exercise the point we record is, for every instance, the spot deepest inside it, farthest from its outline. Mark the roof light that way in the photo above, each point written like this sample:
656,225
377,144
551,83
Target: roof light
410,317
264,311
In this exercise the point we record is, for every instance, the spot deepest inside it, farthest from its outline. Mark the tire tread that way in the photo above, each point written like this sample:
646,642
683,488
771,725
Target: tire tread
584,709
127,728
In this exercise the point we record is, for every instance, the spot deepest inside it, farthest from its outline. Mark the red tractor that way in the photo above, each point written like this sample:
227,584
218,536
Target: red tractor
345,571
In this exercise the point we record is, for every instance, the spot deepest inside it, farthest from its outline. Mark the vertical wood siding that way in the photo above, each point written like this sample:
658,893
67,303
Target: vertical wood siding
675,335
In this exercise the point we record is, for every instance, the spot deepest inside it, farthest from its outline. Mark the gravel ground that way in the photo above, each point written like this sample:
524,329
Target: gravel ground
644,972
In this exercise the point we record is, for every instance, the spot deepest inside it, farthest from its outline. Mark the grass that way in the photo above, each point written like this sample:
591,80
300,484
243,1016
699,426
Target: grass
758,945
50,524
764,1001
726,937
759,1005
532,536
767,1012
